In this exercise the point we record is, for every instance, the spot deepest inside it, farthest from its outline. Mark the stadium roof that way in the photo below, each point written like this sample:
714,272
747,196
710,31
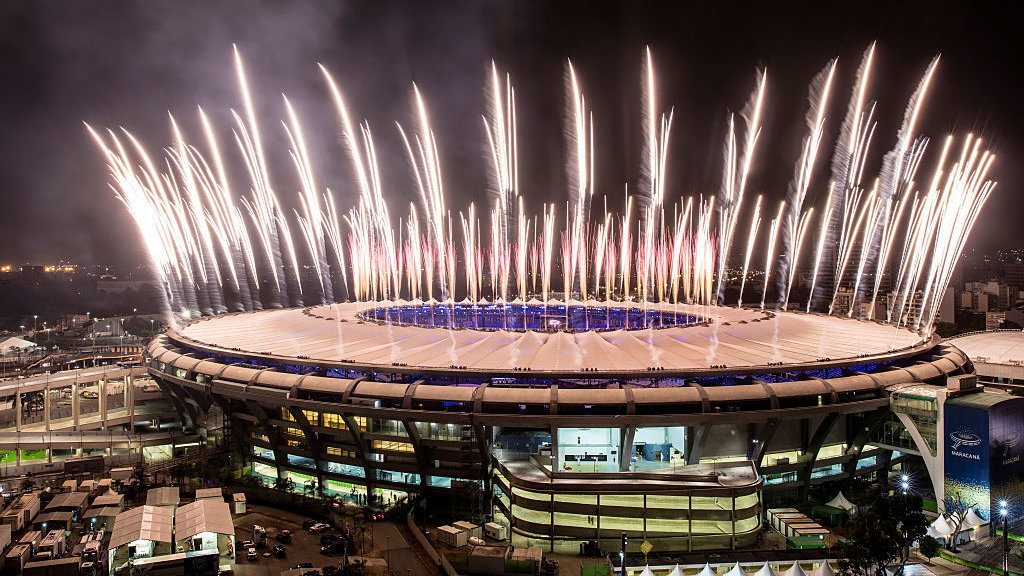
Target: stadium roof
1001,347
734,338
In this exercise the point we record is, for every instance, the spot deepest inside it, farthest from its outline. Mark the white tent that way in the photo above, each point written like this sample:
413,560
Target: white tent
766,570
677,571
707,570
796,570
825,570
972,520
840,501
646,571
940,528
736,571
13,344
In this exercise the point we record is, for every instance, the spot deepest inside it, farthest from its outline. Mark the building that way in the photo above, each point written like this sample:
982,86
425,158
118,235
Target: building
968,437
142,532
163,496
998,358
696,419
153,535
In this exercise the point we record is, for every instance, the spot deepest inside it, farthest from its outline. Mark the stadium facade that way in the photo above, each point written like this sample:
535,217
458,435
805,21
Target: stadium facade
674,424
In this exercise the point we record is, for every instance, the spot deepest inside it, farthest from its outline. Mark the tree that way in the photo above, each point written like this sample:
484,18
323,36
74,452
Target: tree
880,538
929,547
957,506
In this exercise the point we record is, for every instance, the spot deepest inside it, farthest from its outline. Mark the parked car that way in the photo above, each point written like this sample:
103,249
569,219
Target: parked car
307,523
246,544
284,537
279,551
326,539
303,565
251,555
319,528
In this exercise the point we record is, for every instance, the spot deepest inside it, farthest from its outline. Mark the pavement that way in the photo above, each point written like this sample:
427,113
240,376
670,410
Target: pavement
397,551
386,542
305,547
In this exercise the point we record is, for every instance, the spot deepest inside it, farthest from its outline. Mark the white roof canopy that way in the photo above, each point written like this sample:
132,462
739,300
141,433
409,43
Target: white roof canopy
796,570
205,515
707,570
766,570
972,520
736,571
143,523
940,528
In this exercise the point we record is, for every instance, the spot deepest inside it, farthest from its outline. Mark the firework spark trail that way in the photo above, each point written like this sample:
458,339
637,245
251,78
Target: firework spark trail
826,219
773,236
311,221
888,240
849,156
262,207
755,223
655,136
500,130
802,227
231,228
880,225
209,246
736,173
794,227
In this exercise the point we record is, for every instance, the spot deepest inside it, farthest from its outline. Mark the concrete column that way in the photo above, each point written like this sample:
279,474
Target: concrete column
129,401
102,387
75,406
46,405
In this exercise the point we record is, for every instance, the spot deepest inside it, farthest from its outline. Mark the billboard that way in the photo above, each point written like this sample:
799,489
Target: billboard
968,454
1006,449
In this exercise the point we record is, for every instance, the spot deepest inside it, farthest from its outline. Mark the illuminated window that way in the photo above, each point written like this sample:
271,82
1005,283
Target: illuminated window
260,436
333,421
392,446
287,415
335,451
313,416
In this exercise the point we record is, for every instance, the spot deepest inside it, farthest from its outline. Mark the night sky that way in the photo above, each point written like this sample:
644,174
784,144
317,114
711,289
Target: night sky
126,63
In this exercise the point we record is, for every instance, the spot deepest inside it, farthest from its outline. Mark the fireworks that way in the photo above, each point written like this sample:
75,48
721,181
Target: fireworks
217,249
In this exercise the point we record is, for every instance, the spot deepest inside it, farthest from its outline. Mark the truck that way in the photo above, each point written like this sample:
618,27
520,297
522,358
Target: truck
53,543
58,567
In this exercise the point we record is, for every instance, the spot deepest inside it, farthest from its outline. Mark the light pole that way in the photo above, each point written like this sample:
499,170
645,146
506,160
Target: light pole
905,483
35,318
1004,513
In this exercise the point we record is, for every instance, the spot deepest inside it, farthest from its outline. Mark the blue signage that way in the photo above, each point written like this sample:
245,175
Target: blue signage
967,455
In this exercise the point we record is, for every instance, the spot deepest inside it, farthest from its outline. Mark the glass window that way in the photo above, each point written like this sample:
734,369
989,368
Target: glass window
392,446
333,421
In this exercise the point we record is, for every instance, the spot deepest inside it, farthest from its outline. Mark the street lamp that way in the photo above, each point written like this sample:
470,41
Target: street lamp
35,317
1005,515
904,483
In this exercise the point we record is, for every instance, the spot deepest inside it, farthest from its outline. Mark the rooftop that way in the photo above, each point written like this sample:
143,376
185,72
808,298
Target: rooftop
998,347
731,338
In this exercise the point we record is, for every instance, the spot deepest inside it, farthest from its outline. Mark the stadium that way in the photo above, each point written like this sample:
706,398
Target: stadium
678,424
